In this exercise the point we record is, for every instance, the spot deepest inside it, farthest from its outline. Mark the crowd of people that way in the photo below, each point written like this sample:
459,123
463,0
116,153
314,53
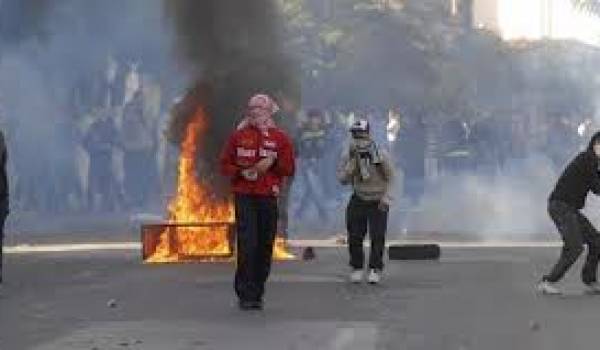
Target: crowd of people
258,157
114,155
108,152
425,146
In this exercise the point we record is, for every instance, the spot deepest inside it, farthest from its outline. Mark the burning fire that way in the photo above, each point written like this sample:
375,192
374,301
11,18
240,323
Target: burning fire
194,206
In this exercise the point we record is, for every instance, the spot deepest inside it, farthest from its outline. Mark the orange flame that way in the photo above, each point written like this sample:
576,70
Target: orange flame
194,204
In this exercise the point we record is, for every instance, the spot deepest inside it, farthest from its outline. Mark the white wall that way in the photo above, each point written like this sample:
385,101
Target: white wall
485,14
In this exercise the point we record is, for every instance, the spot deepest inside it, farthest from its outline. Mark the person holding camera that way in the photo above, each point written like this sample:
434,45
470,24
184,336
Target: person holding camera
370,171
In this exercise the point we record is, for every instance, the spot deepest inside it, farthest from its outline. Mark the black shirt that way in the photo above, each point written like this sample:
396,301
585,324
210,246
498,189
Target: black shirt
579,177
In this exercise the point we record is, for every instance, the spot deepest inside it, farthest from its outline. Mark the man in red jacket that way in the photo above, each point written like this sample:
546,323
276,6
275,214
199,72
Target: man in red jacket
256,157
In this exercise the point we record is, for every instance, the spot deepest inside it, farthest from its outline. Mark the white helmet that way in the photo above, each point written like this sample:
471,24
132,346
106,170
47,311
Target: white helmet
361,125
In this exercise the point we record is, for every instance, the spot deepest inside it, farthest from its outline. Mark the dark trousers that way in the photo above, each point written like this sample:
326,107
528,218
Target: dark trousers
575,230
140,171
256,220
2,221
363,216
100,180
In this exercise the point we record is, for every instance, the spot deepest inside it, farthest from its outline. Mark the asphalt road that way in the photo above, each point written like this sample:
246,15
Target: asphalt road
478,298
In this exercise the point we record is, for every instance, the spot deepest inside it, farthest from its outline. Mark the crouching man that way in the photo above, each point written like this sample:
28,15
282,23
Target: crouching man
256,157
370,171
568,198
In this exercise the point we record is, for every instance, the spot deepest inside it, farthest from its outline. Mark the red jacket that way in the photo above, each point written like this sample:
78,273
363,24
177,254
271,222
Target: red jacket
245,148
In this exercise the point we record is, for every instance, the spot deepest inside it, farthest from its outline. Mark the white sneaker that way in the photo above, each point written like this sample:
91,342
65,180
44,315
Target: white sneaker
356,276
548,288
374,276
592,288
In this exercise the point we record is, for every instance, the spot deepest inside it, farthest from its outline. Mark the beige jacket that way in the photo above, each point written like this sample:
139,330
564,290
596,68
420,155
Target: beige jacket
378,186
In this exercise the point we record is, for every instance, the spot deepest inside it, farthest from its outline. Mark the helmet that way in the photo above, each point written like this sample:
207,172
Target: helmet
360,126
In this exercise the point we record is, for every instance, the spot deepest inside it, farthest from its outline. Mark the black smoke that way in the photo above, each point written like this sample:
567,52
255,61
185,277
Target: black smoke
230,49
53,57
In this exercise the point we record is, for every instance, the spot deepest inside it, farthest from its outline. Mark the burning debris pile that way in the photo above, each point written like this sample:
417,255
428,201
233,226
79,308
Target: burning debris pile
230,50
200,226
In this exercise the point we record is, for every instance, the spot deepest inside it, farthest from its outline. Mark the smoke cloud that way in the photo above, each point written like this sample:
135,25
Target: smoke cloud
231,49
217,53
53,58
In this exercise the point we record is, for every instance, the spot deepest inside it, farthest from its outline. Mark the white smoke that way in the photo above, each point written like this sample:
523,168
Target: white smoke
510,205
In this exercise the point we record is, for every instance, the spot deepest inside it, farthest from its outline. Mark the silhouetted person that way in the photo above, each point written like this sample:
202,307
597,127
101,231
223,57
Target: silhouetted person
138,144
568,198
411,149
312,148
100,142
4,202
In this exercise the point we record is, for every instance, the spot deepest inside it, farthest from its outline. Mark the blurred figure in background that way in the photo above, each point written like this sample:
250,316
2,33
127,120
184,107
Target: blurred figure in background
561,140
410,148
99,142
456,155
312,148
113,84
4,201
137,139
288,123
132,83
484,142
336,135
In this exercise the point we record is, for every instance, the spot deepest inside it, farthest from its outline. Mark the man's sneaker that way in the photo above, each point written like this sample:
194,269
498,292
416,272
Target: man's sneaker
548,288
374,276
592,288
356,276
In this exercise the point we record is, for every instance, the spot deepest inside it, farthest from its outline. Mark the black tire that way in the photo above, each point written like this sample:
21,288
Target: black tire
414,252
